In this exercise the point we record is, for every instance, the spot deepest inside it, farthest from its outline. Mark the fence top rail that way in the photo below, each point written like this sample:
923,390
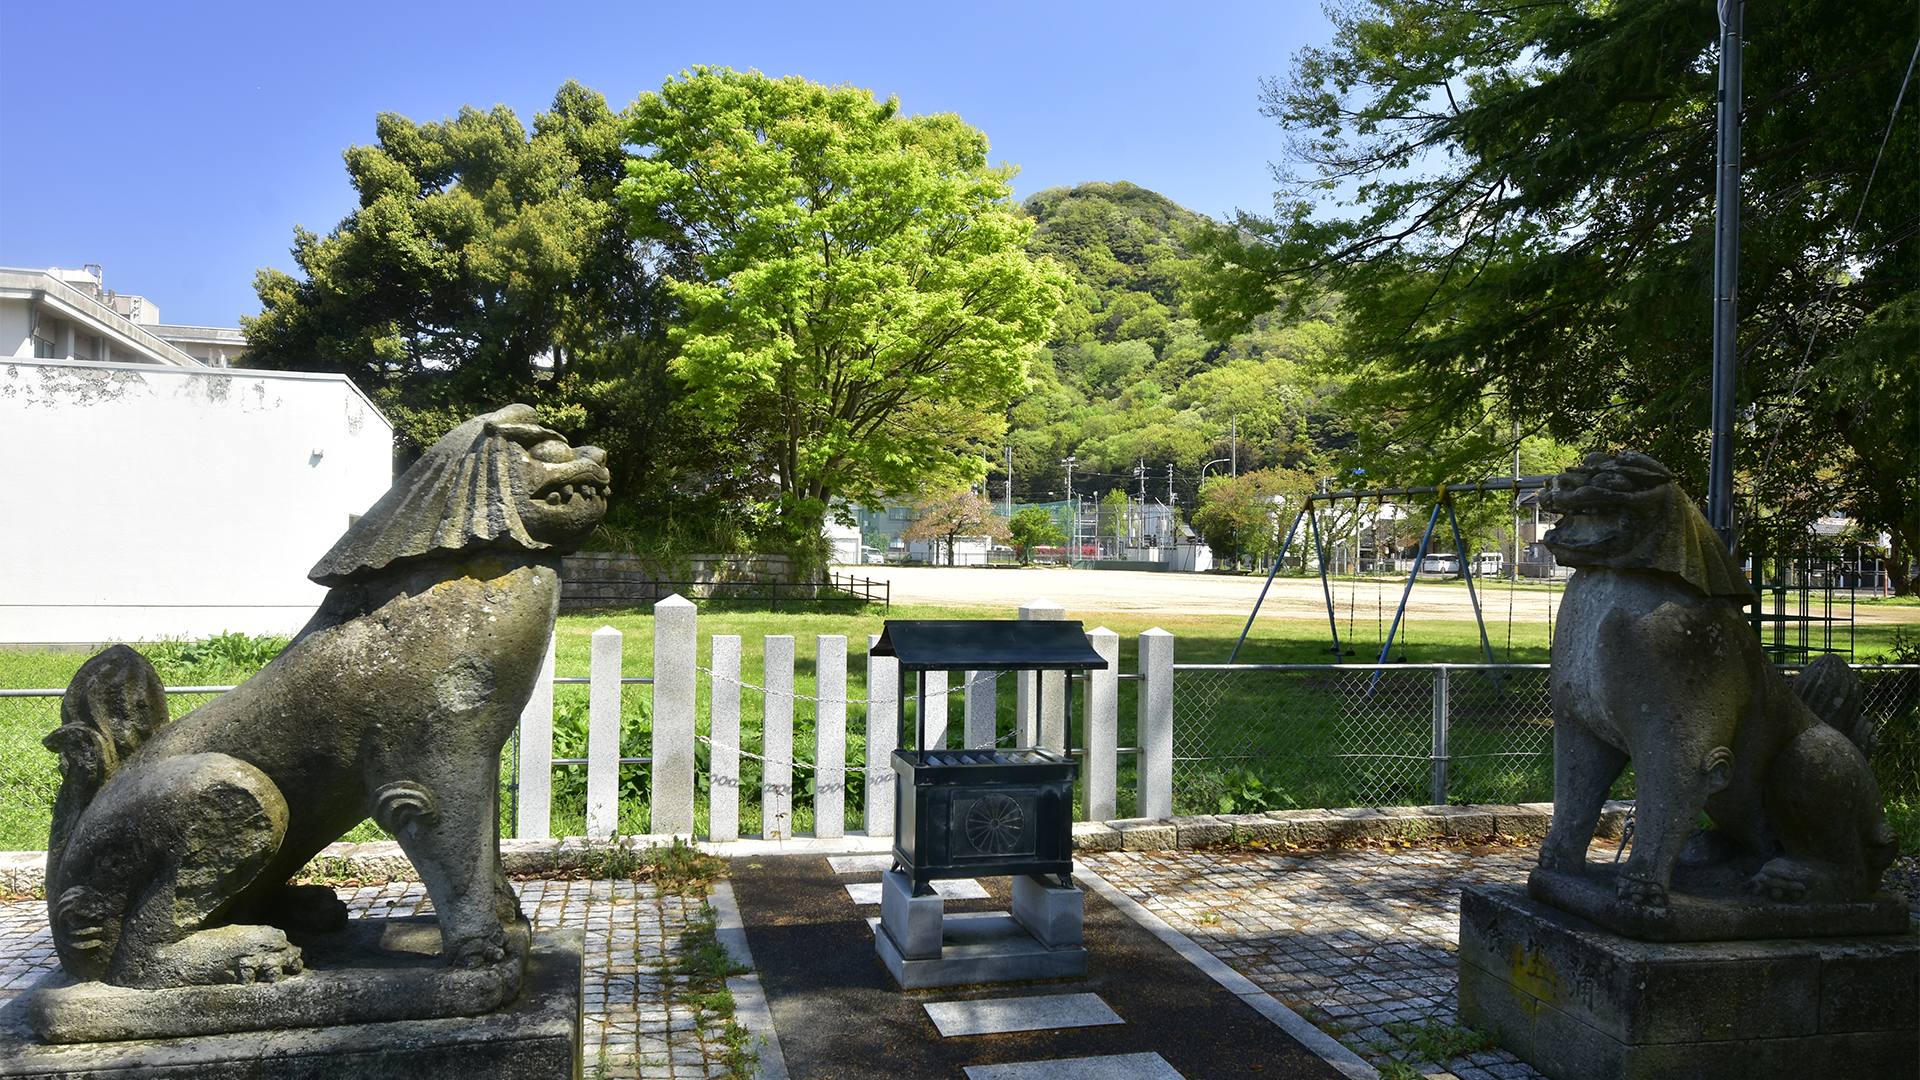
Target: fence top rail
1461,667
1362,667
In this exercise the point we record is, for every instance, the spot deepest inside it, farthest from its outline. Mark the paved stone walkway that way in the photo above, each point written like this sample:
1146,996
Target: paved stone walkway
632,1028
1361,942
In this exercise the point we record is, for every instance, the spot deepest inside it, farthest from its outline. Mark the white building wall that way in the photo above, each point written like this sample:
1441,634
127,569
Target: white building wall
16,328
145,501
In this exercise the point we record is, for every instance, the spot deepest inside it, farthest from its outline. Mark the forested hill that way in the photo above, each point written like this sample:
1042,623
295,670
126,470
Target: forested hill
1132,380
1123,245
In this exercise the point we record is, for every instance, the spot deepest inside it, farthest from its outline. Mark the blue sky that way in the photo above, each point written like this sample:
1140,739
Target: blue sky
178,144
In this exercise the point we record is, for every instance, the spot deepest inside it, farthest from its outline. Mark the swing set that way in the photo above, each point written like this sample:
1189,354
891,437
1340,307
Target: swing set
1445,495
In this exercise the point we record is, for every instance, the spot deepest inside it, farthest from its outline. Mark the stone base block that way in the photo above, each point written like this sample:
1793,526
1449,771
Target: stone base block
984,947
1054,914
912,922
536,1035
1579,1002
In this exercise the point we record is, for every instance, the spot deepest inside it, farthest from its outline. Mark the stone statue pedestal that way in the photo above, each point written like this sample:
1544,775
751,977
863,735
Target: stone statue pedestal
1712,911
535,1034
1580,1002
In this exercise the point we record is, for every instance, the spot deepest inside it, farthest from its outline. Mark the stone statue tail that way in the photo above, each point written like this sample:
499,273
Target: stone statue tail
112,707
1831,690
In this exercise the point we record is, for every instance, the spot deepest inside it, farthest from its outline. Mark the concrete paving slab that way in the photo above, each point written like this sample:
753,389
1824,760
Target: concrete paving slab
860,864
868,892
1147,1066
996,1016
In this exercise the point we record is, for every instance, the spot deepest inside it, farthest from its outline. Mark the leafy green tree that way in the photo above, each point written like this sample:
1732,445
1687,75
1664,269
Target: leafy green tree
1524,237
945,517
488,264
858,307
1241,516
1030,528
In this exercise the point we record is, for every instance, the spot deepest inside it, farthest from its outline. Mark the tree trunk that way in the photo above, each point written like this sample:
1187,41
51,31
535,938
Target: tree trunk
1901,547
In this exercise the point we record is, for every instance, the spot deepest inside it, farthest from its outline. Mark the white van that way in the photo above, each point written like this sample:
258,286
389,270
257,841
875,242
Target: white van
1489,564
1440,564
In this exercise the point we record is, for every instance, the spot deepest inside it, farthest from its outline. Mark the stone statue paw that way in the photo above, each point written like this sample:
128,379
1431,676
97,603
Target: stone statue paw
1789,881
225,954
1640,891
480,951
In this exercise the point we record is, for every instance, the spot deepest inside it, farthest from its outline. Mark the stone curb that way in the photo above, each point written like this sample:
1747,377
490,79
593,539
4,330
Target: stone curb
25,871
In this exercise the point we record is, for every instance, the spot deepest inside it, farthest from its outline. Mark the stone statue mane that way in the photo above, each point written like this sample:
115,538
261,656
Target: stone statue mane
477,488
173,842
1626,513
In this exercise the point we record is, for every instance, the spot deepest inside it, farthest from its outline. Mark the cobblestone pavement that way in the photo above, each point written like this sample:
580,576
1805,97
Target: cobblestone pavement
1362,942
631,1028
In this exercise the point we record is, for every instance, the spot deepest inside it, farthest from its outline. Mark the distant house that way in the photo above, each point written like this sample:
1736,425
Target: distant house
152,492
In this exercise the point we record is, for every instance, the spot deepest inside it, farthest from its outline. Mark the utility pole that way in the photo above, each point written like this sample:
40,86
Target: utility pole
1073,553
1726,274
1009,483
1233,445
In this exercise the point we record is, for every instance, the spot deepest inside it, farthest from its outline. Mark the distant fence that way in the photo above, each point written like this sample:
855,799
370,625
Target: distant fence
704,747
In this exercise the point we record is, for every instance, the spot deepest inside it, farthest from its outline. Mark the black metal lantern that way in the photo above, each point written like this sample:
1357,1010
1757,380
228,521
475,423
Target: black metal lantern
982,812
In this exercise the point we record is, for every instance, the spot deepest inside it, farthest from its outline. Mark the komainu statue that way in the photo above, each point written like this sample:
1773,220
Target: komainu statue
1654,662
173,842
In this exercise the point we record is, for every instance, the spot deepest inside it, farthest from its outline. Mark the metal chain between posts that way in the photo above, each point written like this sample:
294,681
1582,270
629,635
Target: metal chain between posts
978,678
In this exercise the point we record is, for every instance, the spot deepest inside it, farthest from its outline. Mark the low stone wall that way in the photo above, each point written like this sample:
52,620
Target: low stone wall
1329,826
25,871
609,578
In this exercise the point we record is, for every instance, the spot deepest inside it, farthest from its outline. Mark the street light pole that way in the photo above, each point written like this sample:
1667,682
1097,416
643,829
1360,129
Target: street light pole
1726,274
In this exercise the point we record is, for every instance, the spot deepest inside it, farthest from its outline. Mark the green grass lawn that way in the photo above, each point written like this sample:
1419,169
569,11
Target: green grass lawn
1263,739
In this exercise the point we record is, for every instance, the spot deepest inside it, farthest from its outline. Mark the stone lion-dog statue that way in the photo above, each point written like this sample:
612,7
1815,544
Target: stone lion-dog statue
173,842
1654,661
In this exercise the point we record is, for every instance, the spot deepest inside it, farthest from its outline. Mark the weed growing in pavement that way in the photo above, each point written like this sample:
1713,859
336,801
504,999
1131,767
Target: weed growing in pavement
685,870
1432,1041
616,860
700,980
678,869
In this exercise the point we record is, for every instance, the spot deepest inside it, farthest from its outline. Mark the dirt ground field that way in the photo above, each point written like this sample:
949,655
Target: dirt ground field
1094,591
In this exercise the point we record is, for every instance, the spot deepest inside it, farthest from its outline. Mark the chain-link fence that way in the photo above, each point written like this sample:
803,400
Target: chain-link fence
1275,736
1890,696
1261,737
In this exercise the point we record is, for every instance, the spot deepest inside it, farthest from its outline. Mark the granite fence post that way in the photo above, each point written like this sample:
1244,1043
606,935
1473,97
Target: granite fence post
982,690
1051,731
603,735
1103,728
883,734
723,750
676,644
533,816
935,723
1156,724
776,740
830,736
